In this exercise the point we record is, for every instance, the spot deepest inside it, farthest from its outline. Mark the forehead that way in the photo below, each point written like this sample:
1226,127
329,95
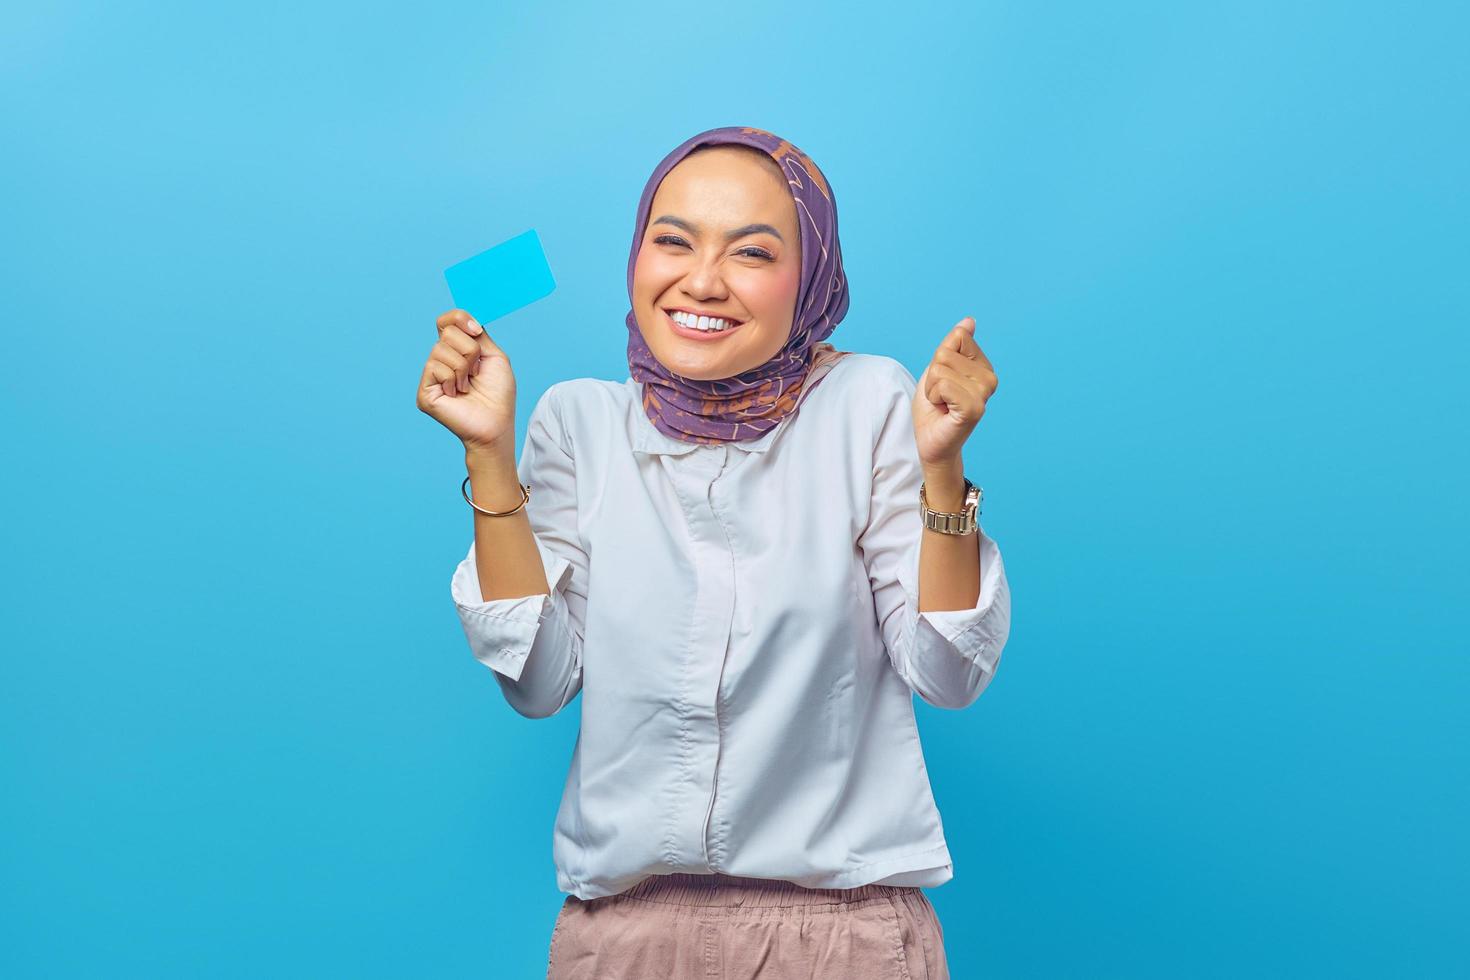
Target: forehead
727,185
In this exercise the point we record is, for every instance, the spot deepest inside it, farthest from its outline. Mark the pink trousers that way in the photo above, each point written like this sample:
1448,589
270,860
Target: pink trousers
720,927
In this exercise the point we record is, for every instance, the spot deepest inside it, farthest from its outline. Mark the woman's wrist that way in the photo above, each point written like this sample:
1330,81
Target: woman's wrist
944,485
494,482
490,456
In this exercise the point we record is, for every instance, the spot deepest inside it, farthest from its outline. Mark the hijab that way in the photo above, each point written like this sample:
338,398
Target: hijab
747,405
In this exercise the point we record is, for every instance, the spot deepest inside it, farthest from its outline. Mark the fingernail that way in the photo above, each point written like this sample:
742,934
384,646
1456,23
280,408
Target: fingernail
475,327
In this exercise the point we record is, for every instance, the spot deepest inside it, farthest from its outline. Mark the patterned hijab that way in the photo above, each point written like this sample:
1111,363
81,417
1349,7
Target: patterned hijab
746,406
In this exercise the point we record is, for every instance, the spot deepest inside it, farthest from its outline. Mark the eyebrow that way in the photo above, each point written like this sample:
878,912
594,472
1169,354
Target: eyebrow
669,219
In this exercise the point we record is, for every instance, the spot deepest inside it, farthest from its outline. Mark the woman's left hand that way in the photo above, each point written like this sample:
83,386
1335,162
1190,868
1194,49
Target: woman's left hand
951,397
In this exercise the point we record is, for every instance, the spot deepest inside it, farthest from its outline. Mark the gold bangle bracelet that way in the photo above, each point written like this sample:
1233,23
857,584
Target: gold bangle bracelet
525,496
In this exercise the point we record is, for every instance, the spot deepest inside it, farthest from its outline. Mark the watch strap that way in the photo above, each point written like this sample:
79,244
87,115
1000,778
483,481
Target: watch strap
946,522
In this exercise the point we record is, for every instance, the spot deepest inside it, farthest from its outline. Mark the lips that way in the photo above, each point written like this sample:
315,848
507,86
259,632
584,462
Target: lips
693,333
698,313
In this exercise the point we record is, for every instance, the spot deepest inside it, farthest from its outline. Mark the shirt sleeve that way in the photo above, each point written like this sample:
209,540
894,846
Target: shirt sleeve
947,658
534,643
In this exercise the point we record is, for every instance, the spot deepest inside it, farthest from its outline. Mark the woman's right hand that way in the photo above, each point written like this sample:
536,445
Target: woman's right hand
468,385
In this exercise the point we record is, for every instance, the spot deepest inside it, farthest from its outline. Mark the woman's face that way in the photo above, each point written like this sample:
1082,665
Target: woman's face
722,240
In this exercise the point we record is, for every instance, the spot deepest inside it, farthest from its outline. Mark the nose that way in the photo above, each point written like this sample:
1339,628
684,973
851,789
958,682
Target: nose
704,281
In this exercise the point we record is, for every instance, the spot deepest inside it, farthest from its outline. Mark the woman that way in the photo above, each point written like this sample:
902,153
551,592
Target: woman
723,555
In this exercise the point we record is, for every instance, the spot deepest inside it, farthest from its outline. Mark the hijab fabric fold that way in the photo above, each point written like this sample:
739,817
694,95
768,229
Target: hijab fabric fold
748,405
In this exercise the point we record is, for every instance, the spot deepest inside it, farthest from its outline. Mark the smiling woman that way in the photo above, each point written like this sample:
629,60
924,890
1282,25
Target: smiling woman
723,556
740,225
724,245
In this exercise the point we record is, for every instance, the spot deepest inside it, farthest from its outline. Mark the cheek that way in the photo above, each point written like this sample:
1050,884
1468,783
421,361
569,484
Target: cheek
773,294
653,271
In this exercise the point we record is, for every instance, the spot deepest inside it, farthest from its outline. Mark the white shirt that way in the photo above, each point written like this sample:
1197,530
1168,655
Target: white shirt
742,621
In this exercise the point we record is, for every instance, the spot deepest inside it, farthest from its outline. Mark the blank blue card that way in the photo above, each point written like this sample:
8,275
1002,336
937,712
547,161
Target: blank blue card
502,279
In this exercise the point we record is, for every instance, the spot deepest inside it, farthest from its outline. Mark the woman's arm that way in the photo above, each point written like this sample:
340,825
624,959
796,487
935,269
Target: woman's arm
949,564
506,558
521,591
947,644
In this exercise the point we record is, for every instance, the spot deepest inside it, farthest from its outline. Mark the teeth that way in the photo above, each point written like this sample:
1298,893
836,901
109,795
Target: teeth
704,323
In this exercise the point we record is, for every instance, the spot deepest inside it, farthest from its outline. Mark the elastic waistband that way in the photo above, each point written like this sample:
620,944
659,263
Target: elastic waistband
726,890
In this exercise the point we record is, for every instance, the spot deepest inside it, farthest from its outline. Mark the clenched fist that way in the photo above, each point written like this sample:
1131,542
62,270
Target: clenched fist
951,396
468,386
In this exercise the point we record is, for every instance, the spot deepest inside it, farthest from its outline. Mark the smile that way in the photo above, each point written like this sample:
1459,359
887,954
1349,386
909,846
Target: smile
700,328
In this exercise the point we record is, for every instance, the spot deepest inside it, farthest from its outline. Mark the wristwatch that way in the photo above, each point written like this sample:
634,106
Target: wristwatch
966,521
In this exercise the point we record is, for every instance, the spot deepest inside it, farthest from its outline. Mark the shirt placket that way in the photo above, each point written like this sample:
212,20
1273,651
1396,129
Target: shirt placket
714,611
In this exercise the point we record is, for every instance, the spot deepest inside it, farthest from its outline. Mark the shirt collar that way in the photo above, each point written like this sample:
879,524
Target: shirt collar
647,438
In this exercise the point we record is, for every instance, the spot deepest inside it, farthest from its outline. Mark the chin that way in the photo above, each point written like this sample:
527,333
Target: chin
684,358
698,370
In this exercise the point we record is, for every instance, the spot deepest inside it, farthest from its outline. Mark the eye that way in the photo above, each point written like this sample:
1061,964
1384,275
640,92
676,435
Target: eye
749,251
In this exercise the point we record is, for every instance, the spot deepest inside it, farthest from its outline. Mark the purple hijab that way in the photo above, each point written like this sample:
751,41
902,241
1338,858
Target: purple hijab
748,405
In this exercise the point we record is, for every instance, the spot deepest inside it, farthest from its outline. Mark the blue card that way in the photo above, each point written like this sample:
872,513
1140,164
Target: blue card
502,279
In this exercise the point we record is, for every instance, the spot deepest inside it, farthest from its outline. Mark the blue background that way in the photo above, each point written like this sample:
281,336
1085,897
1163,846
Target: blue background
1217,253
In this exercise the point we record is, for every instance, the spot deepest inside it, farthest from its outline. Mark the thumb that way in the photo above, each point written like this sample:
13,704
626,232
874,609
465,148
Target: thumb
955,339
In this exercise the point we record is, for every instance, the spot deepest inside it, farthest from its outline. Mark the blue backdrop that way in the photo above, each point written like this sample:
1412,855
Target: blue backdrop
1218,256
